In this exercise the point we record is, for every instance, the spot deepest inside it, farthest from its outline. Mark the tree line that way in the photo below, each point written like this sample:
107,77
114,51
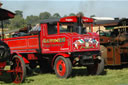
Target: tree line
19,22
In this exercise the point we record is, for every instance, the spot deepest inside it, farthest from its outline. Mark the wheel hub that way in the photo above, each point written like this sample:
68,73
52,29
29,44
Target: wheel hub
60,67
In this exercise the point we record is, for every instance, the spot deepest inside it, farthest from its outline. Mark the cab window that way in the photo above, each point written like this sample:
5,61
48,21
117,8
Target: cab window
52,29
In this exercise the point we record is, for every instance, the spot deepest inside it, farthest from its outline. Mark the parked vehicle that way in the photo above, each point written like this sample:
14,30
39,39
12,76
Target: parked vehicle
114,44
59,44
17,62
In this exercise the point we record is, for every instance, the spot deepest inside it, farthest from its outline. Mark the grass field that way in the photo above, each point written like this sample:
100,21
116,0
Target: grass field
79,77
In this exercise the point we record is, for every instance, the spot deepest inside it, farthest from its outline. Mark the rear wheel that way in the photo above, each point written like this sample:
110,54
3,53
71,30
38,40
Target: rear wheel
62,67
97,68
19,69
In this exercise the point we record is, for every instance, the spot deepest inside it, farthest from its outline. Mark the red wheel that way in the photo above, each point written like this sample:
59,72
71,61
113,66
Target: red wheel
19,69
62,67
96,68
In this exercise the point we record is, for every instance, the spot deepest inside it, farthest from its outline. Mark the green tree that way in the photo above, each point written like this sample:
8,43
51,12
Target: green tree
80,13
6,23
17,22
32,20
72,14
56,15
65,16
93,15
44,15
18,12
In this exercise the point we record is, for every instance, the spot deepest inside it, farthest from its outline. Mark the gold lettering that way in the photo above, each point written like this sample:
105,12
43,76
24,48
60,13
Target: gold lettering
53,40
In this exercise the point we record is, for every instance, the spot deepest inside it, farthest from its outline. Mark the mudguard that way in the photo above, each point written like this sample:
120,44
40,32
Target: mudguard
59,54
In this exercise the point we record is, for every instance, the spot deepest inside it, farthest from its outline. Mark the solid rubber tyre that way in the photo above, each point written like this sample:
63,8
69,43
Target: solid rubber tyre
62,67
96,68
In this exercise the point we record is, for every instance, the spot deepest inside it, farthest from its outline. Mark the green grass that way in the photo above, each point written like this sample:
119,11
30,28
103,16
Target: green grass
79,77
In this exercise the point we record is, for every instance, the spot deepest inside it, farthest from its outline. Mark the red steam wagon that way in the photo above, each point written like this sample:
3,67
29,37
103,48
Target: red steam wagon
59,44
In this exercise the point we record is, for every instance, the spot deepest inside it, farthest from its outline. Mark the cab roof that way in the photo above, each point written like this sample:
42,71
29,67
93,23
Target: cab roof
6,14
50,20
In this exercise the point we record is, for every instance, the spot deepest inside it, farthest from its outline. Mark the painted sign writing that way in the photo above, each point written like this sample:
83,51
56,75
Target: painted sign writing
58,40
53,45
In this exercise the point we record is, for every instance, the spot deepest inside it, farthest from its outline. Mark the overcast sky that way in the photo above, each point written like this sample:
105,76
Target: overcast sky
101,8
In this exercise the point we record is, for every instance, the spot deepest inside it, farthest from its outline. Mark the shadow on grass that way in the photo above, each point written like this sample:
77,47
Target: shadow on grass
117,67
37,71
77,71
5,77
83,72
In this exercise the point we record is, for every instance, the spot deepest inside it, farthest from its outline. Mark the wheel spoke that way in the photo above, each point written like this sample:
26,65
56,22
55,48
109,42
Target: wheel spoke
17,62
20,70
18,66
20,75
17,79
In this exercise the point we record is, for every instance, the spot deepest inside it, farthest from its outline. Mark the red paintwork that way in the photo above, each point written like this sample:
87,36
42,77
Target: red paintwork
23,44
32,57
18,71
60,44
11,15
74,19
2,65
56,43
69,19
61,67
67,46
62,54
59,54
6,14
25,60
58,27
86,19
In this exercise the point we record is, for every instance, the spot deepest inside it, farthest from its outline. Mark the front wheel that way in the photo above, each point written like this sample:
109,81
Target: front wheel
62,67
19,69
97,68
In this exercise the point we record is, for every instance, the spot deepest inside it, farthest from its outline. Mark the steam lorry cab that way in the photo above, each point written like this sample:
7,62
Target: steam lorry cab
59,44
